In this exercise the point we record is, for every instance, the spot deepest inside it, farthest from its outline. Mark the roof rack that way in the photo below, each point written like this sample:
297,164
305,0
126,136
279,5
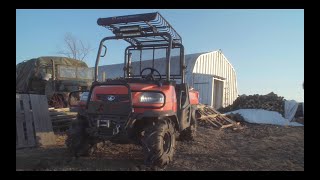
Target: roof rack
148,23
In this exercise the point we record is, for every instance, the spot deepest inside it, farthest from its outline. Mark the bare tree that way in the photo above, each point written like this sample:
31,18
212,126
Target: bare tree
75,48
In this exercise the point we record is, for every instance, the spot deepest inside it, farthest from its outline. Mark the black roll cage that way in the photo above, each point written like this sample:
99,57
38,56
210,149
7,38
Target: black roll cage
154,33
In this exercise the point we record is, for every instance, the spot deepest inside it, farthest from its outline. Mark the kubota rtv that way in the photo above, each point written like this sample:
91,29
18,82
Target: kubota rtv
151,104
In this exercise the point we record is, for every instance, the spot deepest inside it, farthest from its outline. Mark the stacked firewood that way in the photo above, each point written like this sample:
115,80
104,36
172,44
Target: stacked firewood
270,102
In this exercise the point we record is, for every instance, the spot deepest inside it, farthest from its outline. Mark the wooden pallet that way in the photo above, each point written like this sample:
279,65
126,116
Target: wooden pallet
209,114
33,125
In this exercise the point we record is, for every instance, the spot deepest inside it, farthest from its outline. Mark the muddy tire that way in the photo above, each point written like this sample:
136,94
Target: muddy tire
78,141
159,144
190,133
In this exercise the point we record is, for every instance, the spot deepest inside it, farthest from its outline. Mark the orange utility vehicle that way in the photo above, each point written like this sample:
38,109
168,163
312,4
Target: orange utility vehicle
149,105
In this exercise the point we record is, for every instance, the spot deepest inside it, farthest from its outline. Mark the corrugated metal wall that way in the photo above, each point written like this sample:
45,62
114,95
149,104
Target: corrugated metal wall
216,64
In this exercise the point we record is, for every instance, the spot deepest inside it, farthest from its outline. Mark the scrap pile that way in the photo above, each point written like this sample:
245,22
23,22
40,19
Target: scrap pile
208,115
270,102
61,119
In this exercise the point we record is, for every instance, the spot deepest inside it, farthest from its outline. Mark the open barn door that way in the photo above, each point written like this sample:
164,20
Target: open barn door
217,93
204,84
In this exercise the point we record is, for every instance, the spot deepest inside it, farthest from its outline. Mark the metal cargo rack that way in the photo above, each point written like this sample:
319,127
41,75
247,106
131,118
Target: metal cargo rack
140,28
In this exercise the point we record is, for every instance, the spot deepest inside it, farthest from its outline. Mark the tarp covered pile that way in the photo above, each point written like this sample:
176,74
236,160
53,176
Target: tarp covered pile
264,109
34,69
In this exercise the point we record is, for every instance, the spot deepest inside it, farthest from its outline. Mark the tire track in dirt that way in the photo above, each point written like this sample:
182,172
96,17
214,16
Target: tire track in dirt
256,147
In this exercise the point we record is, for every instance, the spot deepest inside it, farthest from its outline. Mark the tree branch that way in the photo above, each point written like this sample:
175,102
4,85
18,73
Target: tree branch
75,48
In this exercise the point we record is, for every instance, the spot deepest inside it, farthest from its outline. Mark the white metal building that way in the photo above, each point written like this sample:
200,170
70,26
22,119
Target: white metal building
210,73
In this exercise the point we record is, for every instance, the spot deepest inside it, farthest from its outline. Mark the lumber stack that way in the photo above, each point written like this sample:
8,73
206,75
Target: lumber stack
61,119
270,102
207,115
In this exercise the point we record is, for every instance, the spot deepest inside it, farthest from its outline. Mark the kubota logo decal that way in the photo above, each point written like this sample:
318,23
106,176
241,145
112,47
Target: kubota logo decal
111,98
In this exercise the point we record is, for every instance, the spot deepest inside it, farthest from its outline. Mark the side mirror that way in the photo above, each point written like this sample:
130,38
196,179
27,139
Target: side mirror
77,100
105,51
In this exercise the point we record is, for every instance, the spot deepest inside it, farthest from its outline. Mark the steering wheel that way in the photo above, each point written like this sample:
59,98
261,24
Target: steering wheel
150,76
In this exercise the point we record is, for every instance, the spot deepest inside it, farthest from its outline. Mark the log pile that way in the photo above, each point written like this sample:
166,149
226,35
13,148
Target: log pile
270,102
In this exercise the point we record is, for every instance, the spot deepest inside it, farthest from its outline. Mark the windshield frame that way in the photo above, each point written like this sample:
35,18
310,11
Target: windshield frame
169,45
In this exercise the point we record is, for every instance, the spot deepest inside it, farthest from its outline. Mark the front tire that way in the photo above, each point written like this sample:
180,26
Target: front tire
78,142
159,143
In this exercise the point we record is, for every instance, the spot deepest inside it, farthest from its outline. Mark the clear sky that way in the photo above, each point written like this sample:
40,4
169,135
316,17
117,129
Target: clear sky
266,47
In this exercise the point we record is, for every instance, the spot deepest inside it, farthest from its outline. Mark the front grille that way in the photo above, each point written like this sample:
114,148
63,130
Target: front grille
109,108
113,97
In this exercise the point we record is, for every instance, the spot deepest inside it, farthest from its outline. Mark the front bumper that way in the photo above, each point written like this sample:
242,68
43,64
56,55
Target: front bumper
107,126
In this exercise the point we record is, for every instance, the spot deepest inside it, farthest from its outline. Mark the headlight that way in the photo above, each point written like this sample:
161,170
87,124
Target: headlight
151,97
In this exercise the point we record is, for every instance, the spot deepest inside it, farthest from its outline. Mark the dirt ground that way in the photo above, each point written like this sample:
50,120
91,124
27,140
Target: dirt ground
253,148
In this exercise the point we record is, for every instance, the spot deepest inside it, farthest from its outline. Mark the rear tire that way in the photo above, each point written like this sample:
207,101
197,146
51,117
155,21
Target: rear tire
190,132
159,144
